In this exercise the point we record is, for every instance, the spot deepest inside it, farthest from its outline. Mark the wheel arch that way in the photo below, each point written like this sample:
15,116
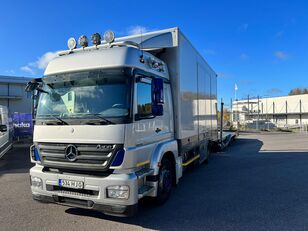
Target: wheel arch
168,149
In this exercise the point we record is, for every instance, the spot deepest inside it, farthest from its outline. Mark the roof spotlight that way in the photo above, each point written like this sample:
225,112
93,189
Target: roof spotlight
83,41
96,39
109,36
71,43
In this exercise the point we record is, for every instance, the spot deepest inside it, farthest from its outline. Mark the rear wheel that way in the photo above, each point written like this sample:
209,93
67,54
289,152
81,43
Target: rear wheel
207,158
165,181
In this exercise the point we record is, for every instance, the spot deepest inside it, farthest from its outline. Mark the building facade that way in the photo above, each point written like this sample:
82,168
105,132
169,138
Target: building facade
13,95
284,111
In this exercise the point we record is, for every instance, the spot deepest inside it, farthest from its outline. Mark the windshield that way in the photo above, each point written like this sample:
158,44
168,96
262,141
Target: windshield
84,95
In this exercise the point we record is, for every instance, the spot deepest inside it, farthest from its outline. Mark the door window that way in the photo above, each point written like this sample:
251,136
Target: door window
144,99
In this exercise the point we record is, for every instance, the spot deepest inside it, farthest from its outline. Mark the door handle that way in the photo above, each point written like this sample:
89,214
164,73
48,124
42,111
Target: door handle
158,130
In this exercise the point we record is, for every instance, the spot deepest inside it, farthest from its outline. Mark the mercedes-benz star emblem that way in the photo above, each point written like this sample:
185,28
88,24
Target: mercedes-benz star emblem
71,152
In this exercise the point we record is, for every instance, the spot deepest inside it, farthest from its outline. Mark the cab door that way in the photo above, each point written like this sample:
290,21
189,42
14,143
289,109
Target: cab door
148,129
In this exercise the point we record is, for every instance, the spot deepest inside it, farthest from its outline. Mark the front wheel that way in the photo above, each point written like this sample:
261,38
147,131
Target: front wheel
165,181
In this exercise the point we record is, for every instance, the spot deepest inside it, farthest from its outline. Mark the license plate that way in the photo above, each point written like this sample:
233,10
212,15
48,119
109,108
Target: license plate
71,184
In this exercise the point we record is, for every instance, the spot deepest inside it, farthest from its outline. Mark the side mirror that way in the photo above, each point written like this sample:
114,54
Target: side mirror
3,128
158,91
31,86
157,97
157,110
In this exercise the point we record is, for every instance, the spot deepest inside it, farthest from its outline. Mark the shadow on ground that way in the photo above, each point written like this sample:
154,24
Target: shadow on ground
241,189
16,160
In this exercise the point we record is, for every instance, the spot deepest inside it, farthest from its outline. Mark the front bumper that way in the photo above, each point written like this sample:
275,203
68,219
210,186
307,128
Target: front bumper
115,210
94,194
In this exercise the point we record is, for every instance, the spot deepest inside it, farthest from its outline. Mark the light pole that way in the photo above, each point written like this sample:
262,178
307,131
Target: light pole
266,96
257,124
266,114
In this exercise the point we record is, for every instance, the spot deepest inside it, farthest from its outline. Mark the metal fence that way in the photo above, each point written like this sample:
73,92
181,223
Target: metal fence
286,113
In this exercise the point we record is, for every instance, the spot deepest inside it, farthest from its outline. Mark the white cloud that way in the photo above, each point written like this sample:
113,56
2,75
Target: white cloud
43,61
273,91
245,82
28,69
11,72
40,64
224,75
244,56
137,29
281,55
279,34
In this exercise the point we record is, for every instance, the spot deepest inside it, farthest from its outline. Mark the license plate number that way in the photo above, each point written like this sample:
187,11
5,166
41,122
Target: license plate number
71,184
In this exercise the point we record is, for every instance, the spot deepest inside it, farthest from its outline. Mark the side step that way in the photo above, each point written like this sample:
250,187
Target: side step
144,172
144,190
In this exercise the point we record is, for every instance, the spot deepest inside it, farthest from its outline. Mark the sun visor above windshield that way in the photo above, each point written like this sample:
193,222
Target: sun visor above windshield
156,40
117,57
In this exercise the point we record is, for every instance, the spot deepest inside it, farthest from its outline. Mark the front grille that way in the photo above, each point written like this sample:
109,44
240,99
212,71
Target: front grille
95,157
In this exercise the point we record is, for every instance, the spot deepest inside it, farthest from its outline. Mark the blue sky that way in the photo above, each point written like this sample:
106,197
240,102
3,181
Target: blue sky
262,46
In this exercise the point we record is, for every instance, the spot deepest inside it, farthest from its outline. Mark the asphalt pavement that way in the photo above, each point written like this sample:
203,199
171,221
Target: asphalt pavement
260,182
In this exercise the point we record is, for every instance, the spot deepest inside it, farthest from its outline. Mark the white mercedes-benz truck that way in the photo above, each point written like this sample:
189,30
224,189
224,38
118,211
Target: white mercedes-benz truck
120,120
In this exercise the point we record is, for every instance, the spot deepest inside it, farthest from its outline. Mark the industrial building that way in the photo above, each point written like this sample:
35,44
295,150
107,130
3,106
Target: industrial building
284,111
13,95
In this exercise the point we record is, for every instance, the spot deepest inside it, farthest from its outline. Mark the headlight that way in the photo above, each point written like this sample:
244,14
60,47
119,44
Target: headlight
36,182
118,192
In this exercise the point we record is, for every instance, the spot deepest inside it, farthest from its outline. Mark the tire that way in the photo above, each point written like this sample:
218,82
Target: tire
165,181
206,161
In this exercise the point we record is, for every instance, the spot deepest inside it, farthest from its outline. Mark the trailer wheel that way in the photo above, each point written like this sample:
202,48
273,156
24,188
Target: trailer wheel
165,181
208,152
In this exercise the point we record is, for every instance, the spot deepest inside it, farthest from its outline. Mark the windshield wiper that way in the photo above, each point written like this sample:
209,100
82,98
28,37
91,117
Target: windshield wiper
101,119
63,122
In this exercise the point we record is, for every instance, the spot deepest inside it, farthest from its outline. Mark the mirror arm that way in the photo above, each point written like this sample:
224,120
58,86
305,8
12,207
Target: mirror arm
41,90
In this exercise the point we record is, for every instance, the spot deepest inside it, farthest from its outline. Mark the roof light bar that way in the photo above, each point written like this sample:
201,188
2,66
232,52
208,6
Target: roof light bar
83,41
109,36
71,43
96,39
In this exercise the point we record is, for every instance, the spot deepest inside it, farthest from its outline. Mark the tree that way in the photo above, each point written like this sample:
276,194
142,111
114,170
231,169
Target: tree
298,91
226,116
